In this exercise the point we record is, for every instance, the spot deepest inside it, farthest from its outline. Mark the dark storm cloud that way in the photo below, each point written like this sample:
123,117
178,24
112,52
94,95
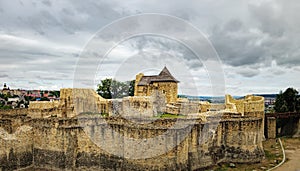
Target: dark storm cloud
280,24
267,35
235,45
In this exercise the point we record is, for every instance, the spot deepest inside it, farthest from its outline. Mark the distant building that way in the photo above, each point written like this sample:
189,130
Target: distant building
16,92
5,89
269,101
16,99
164,82
34,93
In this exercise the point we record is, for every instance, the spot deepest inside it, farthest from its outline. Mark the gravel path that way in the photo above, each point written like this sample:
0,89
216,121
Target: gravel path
292,151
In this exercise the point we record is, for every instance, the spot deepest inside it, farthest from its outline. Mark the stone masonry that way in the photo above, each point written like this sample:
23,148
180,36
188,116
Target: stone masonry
164,83
72,135
96,143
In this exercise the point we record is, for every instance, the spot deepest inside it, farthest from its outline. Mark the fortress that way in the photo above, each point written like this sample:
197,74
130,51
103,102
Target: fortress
84,131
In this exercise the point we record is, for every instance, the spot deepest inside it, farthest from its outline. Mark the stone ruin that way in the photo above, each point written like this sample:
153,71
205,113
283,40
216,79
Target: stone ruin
51,136
78,101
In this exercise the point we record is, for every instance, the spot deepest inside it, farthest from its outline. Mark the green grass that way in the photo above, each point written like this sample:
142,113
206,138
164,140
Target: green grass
167,115
104,114
270,155
221,169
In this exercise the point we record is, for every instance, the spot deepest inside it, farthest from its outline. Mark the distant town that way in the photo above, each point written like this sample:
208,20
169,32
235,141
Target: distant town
19,98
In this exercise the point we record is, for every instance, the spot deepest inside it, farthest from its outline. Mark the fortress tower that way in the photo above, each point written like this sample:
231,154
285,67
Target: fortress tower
163,82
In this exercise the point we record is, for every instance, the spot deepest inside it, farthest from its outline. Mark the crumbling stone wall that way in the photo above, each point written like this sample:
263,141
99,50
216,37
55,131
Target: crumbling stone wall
43,104
251,106
79,100
248,105
138,106
71,144
16,148
184,108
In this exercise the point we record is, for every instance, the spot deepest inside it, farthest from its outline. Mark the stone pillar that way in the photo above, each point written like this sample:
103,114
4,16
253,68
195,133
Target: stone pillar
271,127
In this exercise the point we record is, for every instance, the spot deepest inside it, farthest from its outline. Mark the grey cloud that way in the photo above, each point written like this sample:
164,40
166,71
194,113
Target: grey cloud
290,58
237,48
43,21
248,72
186,14
245,35
278,72
233,25
54,76
20,1
47,3
166,46
280,23
3,76
33,82
63,17
269,18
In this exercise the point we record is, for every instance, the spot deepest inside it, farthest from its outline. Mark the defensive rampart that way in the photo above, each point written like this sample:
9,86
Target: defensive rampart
250,106
95,143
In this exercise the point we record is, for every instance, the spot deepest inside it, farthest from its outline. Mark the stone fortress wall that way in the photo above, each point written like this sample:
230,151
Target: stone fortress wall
247,106
35,138
64,143
251,106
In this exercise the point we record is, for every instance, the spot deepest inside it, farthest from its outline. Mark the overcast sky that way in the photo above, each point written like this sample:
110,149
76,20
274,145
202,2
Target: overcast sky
258,43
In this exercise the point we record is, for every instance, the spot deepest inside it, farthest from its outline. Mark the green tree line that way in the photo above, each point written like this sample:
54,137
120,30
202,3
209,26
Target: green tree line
287,101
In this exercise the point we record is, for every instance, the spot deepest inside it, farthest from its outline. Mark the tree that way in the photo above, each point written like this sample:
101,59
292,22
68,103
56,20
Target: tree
104,88
287,101
131,88
111,88
44,99
280,105
118,89
55,93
